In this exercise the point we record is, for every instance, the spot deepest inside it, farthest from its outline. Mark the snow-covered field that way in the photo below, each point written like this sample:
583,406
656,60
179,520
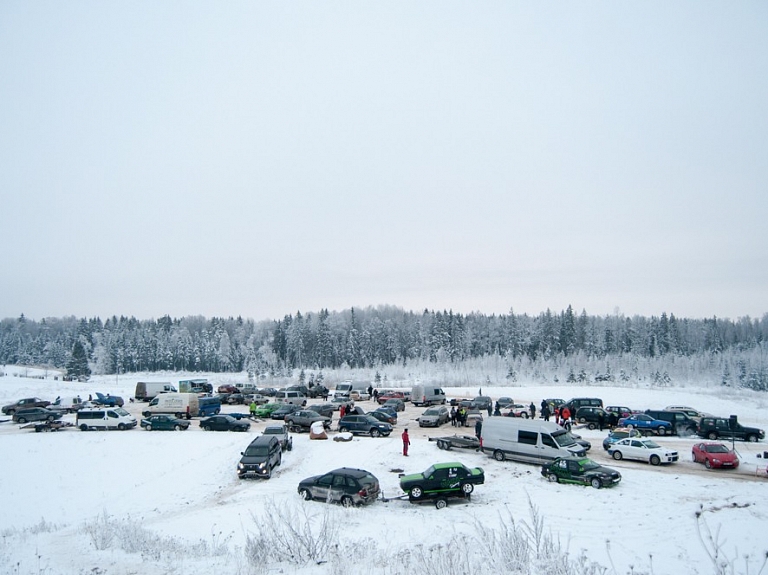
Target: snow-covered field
70,501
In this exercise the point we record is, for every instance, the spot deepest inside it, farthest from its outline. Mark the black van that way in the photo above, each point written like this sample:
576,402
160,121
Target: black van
682,424
260,457
574,404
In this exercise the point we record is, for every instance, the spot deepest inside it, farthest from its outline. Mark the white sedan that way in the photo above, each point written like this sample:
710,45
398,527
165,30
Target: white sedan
642,450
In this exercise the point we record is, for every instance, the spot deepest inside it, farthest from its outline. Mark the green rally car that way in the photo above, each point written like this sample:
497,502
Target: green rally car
442,480
581,470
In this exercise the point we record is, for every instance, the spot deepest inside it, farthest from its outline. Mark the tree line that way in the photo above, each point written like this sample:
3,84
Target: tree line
372,337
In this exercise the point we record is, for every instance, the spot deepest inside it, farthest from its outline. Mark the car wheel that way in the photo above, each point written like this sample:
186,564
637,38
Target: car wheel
120,426
591,426
525,415
712,435
630,427
148,427
50,418
347,502
343,430
217,411
467,488
83,427
655,460
662,430
441,444
305,494
441,503
693,458
552,478
596,483
290,445
207,428
22,420
617,455
707,464
177,427
417,492
752,438
498,455
582,420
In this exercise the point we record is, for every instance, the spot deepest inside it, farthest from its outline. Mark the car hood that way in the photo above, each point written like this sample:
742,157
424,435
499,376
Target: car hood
411,478
252,460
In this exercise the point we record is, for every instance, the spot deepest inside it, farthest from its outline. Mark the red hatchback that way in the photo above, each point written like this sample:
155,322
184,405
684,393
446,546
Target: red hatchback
714,455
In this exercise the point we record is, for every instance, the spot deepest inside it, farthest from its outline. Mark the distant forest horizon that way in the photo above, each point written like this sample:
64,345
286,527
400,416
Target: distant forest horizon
562,346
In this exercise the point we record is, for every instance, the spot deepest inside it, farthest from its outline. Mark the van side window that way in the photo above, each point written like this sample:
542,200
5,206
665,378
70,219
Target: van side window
548,441
112,414
527,437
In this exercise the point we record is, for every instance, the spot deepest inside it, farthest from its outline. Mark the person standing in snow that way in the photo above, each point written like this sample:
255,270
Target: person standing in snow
533,411
453,416
406,441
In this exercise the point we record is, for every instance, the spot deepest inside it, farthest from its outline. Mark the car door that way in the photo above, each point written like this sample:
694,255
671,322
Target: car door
322,487
636,450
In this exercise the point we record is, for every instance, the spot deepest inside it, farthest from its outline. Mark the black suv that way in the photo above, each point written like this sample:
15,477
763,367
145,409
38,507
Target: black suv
260,457
591,416
682,424
364,424
345,485
717,427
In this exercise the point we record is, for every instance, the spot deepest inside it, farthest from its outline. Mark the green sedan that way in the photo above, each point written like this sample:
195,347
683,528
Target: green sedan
266,410
580,470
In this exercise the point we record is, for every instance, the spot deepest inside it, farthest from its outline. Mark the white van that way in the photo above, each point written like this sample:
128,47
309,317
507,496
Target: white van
67,404
104,418
345,389
146,390
427,395
293,397
178,404
529,441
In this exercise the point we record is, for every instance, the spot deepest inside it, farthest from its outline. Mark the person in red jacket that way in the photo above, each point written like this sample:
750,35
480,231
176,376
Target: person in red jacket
406,442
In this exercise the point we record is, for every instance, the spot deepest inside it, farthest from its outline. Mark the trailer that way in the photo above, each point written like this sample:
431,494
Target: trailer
46,426
438,499
460,441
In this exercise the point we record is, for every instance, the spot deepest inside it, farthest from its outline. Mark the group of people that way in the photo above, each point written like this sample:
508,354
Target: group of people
459,416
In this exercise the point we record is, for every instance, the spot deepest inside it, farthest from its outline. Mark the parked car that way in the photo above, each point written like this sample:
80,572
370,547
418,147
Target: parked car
434,417
518,410
35,414
619,410
68,404
24,403
504,402
256,398
383,398
163,422
260,458
337,402
574,404
268,391
395,402
235,399
619,433
304,418
325,409
283,410
388,409
645,422
714,455
227,388
642,450
442,479
716,427
108,400
592,416
344,485
482,402
224,423
580,470
267,409
364,424
385,416
689,411
281,433
554,402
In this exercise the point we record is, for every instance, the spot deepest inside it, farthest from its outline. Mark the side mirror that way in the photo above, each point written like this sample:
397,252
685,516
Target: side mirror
242,453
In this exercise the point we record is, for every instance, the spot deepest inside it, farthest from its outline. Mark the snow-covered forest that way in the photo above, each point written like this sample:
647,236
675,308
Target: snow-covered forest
549,347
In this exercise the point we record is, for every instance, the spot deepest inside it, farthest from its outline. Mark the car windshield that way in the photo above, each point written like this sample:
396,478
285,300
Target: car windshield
256,451
563,438
651,444
429,471
273,431
588,465
432,412
716,449
121,411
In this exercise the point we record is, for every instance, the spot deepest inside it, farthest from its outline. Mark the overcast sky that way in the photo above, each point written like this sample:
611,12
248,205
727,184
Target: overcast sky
255,159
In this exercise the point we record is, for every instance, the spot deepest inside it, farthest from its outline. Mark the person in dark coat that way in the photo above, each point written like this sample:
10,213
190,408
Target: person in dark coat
545,411
490,410
532,409
453,416
497,411
601,419
478,428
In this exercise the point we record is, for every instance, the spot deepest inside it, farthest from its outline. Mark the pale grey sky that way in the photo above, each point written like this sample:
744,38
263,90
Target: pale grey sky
259,158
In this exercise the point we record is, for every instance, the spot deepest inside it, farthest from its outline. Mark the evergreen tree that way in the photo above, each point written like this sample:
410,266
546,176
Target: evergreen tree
77,366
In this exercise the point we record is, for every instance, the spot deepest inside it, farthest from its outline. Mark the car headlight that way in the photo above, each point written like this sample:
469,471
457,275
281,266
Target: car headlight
240,466
715,460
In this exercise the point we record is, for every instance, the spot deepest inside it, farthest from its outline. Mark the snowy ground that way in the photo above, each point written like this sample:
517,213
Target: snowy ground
182,487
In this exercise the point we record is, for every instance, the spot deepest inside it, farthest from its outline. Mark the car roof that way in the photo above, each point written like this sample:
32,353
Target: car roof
351,471
263,439
448,464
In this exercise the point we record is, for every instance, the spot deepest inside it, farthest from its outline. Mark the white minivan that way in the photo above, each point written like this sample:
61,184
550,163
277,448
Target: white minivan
104,418
529,441
427,395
